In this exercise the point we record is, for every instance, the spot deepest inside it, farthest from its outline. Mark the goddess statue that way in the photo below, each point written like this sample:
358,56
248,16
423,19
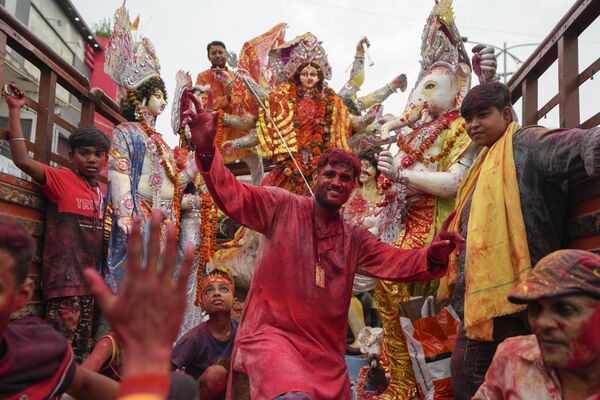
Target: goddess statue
142,172
362,208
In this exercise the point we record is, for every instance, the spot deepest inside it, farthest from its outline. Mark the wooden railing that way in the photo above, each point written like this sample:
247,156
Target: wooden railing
18,197
562,44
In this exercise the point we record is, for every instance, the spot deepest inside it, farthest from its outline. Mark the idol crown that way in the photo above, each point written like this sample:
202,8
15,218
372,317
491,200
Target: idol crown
441,43
129,68
287,58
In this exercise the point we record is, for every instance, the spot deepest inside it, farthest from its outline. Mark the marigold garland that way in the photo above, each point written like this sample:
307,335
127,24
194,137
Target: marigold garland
442,123
208,240
320,139
170,170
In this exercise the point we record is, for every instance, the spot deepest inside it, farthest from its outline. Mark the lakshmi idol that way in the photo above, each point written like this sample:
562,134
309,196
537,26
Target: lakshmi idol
142,172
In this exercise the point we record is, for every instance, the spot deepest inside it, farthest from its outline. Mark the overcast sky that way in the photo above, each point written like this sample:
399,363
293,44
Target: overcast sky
181,29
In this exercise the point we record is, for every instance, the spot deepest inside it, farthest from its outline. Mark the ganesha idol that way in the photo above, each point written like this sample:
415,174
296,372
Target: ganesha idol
434,154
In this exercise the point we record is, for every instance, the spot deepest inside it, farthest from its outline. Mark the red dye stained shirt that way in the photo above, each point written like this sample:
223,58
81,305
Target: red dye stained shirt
292,334
518,372
73,233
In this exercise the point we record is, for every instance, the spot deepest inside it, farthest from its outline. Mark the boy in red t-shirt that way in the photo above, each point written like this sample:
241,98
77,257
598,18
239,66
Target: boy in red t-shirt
73,235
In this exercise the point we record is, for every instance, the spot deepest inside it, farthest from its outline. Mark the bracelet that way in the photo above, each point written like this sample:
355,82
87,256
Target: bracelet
17,139
402,178
145,383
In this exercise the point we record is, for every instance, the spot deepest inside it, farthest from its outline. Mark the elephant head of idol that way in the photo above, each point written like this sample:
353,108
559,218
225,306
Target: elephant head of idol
445,75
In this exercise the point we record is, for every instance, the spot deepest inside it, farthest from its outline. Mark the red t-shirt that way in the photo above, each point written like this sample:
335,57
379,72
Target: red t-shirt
73,235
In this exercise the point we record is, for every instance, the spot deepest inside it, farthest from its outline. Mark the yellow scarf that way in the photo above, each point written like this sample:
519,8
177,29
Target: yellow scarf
497,256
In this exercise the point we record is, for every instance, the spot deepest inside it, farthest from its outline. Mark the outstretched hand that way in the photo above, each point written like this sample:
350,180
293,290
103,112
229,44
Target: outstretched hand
202,121
147,313
445,242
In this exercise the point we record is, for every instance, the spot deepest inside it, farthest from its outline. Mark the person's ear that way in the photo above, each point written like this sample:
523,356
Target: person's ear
71,154
507,114
24,293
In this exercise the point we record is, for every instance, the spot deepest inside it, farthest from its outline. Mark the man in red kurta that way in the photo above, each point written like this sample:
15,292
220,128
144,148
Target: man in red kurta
292,334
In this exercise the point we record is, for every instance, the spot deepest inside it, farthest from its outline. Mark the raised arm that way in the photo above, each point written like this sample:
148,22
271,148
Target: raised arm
442,184
119,170
15,99
249,205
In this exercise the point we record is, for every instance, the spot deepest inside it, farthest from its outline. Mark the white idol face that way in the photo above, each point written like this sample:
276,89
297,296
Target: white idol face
367,172
439,89
156,104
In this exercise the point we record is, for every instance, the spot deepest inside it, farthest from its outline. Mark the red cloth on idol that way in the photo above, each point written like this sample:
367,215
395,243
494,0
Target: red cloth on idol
292,335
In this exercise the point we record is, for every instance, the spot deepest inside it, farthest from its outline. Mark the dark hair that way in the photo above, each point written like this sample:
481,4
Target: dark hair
89,136
296,77
215,43
370,155
17,241
486,95
134,97
339,156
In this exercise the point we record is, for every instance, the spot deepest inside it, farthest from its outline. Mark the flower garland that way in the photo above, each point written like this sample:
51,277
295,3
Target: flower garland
205,247
170,170
429,134
319,139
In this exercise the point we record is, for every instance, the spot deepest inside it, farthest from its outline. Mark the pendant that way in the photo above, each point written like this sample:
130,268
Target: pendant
319,276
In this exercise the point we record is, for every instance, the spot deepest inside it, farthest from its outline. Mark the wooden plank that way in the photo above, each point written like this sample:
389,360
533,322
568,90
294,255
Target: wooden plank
553,102
13,180
106,107
2,56
589,72
591,243
20,38
60,160
585,207
20,212
582,227
88,109
530,101
20,196
63,123
45,118
568,85
593,121
585,189
575,21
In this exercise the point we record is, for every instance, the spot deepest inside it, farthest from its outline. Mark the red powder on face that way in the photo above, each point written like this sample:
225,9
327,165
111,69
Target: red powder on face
588,342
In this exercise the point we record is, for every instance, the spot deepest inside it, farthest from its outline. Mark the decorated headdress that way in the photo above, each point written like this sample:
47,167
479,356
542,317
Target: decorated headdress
441,45
285,59
129,68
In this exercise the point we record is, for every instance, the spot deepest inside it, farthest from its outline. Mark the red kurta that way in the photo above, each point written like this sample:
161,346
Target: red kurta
293,333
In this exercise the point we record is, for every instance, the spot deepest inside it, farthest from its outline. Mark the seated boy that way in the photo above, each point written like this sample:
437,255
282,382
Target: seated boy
36,362
562,359
204,351
73,224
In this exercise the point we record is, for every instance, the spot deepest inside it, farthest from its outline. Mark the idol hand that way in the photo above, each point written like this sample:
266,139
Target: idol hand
484,63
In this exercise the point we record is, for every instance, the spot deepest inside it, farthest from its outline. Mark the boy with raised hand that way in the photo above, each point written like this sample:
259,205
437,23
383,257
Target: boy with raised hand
204,351
511,208
73,223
